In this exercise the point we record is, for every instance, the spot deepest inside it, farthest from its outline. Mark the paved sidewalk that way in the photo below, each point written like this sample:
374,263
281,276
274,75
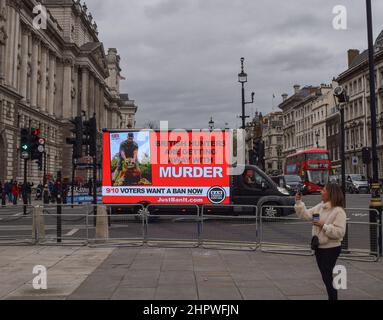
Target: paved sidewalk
176,274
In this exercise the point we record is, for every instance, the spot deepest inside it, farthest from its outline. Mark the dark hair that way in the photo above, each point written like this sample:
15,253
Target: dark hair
335,195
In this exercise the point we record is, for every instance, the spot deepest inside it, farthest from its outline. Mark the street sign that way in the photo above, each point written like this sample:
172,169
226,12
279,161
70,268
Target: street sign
40,148
355,161
25,155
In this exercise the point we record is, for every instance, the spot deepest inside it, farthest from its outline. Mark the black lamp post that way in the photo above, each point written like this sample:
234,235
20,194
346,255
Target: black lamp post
242,78
375,204
317,135
211,124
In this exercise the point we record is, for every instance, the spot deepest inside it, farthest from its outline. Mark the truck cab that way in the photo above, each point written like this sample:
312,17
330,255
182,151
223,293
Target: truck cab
254,187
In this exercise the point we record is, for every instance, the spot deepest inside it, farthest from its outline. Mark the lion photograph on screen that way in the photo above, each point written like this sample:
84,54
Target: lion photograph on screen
126,168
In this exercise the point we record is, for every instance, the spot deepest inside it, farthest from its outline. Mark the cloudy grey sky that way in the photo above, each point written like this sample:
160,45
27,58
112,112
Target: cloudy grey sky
181,58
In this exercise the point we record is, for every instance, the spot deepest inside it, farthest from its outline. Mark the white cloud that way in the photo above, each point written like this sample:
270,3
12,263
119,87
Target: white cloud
181,57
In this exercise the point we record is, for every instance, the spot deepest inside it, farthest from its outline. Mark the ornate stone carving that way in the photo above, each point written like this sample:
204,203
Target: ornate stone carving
73,92
3,36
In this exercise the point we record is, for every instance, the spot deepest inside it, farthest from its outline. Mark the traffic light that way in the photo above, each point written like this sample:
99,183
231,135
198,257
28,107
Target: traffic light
90,130
77,141
24,143
37,147
366,155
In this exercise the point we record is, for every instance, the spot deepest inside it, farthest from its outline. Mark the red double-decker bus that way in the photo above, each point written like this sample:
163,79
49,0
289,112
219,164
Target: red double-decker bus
312,165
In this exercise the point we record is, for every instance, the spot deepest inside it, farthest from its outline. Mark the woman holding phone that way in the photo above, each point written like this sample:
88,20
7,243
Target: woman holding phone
329,227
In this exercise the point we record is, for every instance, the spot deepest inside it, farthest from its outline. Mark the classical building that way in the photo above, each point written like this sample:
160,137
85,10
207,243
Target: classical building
254,143
48,76
273,140
321,108
296,119
334,139
355,80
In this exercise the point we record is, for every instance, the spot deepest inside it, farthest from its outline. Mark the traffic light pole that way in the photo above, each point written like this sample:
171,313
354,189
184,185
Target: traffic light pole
24,190
59,207
375,204
73,174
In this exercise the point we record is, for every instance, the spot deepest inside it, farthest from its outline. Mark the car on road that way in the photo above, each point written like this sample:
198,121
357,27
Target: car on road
292,183
357,183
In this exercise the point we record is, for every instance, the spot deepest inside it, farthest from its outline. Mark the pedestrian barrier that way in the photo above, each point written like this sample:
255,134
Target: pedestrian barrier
233,227
117,225
292,235
64,224
180,223
229,227
287,234
362,235
15,226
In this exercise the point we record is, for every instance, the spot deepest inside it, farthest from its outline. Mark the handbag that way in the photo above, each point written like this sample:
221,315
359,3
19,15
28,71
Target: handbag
314,243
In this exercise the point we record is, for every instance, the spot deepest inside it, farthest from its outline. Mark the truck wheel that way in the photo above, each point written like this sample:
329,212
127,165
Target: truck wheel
269,211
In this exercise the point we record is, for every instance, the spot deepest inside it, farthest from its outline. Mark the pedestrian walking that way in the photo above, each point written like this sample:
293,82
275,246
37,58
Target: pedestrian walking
329,228
15,192
7,191
29,192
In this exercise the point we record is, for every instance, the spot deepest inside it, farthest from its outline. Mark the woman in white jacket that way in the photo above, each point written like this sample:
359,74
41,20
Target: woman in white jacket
330,230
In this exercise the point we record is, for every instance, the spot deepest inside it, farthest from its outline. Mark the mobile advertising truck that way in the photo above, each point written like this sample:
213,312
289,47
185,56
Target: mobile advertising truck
180,167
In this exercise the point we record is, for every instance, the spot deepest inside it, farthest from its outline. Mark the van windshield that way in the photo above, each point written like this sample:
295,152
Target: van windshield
292,179
358,177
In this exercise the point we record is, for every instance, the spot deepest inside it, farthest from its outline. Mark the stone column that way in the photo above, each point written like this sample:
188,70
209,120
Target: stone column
24,65
3,40
43,85
35,57
52,72
75,108
10,44
101,108
16,48
96,101
67,89
91,95
84,90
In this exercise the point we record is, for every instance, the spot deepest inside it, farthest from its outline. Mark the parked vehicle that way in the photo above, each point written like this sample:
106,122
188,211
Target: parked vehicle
357,183
174,188
292,183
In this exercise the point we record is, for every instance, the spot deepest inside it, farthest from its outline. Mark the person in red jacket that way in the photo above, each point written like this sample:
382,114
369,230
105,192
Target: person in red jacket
15,192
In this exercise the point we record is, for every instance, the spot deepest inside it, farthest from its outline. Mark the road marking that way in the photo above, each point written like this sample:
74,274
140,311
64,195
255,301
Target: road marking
17,214
72,232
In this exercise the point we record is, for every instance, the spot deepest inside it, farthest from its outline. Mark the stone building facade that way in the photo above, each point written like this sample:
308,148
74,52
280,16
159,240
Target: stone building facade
355,80
273,141
48,76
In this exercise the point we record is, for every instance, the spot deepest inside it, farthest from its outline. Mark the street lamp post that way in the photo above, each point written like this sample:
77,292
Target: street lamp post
317,135
375,204
242,78
211,124
341,95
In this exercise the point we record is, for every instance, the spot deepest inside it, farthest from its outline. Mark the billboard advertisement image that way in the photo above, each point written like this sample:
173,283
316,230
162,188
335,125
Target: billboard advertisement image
181,167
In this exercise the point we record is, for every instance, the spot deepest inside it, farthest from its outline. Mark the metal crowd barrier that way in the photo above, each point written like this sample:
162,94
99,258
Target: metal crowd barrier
118,225
184,218
233,227
15,226
65,224
223,227
292,235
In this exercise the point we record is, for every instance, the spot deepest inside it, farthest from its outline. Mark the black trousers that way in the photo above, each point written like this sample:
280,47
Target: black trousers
326,260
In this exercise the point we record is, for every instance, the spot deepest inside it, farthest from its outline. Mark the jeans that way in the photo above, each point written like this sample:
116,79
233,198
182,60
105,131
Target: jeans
326,260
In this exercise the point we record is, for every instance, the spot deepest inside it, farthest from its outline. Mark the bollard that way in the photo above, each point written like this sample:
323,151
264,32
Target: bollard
38,225
102,229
